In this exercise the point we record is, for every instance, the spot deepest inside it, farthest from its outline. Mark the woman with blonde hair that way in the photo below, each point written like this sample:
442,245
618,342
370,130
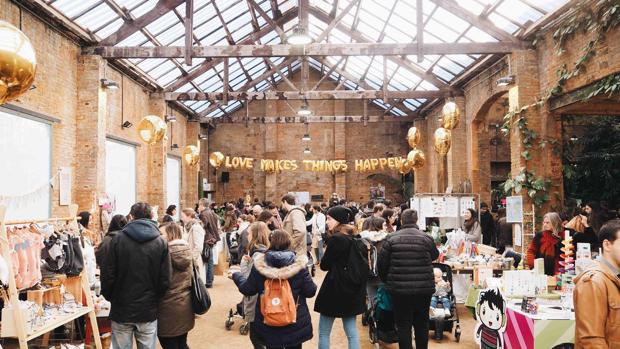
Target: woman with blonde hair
195,237
258,236
547,244
175,316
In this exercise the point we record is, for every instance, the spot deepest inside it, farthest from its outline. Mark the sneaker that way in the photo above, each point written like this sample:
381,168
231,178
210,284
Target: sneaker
447,311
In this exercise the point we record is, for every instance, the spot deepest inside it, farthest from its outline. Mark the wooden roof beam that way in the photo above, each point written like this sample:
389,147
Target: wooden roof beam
312,119
325,49
300,95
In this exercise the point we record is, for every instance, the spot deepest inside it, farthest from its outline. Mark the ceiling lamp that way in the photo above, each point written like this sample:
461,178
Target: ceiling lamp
203,136
307,150
109,84
171,118
306,136
18,63
299,37
304,110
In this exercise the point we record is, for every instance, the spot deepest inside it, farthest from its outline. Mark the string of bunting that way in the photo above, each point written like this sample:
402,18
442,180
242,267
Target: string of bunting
32,196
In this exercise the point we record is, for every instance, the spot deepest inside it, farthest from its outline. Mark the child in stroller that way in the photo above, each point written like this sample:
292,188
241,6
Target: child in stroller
443,314
232,242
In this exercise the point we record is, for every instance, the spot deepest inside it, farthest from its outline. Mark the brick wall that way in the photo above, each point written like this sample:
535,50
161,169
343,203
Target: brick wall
329,141
68,89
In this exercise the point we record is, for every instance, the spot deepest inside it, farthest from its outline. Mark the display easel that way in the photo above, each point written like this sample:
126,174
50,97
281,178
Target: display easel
13,295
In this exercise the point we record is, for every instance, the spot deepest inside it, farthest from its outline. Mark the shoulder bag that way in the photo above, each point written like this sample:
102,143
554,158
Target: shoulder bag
201,301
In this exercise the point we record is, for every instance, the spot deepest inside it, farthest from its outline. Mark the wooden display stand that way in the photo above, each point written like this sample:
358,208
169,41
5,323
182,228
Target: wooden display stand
16,320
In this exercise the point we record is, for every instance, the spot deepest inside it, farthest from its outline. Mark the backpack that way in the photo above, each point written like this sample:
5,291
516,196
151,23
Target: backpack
352,275
277,304
371,252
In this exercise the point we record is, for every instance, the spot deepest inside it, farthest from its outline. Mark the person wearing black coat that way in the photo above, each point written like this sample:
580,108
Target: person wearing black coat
280,263
135,276
405,266
331,301
487,224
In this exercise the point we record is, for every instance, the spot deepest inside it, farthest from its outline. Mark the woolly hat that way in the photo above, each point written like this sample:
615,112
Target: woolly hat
341,214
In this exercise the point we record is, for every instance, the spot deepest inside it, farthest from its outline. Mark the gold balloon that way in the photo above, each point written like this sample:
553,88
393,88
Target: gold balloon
18,63
405,168
191,155
413,137
152,129
443,140
216,159
416,159
451,115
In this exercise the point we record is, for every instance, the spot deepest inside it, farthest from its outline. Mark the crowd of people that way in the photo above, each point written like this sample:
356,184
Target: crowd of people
370,255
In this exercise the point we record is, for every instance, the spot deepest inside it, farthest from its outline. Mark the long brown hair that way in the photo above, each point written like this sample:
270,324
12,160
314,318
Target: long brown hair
260,235
469,224
279,240
230,221
173,231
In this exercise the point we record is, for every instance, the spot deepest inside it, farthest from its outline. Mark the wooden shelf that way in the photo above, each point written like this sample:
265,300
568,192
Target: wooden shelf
57,322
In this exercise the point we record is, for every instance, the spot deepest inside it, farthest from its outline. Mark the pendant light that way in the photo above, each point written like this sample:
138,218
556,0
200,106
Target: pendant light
299,36
306,136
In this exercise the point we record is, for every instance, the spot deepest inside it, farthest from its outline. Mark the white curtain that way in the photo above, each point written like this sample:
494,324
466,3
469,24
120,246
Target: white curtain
120,175
173,183
25,155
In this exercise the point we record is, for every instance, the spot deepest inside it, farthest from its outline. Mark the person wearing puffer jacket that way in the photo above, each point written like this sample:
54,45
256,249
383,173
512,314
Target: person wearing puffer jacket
258,236
175,315
279,262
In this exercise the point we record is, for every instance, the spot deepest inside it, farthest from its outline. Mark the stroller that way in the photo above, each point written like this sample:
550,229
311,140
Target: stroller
440,325
232,242
310,265
380,320
238,313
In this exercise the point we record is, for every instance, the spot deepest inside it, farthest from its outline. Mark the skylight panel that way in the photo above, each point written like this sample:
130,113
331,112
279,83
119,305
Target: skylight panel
449,66
376,9
286,5
232,106
427,86
369,30
169,77
440,31
161,69
518,11
135,39
442,73
215,113
503,23
71,9
163,22
144,8
230,12
207,78
477,35
172,34
337,36
150,63
110,28
323,5
405,25
96,17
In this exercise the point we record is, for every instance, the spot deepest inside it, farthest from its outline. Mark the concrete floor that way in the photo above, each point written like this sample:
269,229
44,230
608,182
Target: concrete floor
210,332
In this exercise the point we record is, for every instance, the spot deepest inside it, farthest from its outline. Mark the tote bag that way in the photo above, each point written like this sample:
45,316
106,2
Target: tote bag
201,301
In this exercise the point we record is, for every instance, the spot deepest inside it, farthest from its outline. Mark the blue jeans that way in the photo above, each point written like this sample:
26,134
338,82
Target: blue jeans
443,300
145,333
325,329
209,270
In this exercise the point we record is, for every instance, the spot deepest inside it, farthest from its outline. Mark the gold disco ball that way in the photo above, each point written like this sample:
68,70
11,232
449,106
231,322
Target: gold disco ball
216,159
405,168
152,129
191,155
18,63
416,159
443,140
413,137
451,115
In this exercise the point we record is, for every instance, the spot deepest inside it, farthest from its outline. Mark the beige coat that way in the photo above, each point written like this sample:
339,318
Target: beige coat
597,308
295,224
195,237
175,315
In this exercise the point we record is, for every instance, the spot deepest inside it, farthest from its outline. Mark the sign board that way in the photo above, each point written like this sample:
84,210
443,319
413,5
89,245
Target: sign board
65,186
518,234
301,197
467,202
514,209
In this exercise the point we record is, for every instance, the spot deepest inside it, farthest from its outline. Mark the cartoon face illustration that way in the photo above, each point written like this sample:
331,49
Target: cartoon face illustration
491,317
491,307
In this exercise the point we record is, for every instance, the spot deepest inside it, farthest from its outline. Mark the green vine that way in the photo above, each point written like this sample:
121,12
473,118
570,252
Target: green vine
600,18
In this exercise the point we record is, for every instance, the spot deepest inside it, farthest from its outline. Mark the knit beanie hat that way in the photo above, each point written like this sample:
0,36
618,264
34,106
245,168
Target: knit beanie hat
341,214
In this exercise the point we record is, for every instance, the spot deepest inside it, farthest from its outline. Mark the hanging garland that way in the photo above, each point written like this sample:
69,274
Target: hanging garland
601,18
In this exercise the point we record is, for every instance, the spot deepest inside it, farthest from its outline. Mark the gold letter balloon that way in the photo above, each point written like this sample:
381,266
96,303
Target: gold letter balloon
413,137
191,155
443,140
152,129
451,115
216,159
416,159
17,63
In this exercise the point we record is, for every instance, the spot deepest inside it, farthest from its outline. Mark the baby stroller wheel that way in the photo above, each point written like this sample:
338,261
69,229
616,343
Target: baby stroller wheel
244,329
457,333
229,324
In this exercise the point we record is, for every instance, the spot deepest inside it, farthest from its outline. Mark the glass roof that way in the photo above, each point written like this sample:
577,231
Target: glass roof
229,22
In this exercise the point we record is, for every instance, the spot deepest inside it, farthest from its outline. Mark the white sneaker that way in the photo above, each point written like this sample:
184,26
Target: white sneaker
447,311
